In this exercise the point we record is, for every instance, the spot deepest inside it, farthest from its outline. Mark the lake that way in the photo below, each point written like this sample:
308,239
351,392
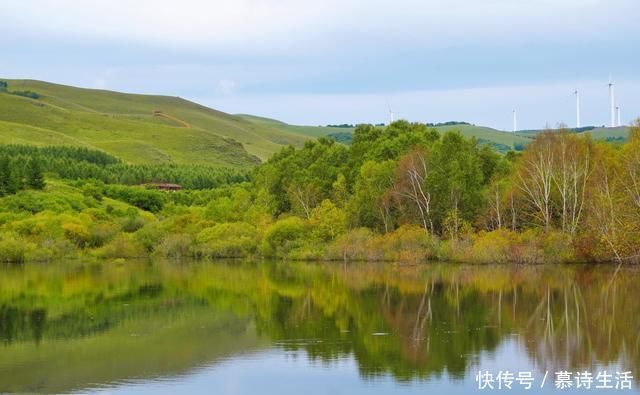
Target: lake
303,328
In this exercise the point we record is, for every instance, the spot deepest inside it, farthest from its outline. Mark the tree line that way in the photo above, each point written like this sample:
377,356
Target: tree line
79,163
585,192
404,192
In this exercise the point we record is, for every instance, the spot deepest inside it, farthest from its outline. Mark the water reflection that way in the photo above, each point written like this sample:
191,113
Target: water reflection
70,326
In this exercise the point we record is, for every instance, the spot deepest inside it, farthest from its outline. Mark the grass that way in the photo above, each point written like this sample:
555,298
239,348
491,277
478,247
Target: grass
310,131
165,129
598,133
502,141
125,125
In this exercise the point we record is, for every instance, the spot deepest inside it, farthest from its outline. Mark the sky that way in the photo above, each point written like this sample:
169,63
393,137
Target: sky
342,61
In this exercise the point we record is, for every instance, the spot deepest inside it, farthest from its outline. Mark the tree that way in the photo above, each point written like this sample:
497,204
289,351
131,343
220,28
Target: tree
33,174
456,180
535,176
10,176
411,173
572,167
328,221
371,203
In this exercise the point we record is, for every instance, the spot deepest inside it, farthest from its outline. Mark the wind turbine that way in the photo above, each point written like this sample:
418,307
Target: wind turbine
391,114
613,103
577,93
515,121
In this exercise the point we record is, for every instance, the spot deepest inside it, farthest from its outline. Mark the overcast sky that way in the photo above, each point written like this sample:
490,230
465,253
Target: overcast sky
341,61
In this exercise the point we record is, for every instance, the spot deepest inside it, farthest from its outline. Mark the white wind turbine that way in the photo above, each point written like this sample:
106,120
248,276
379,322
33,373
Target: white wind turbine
391,113
612,102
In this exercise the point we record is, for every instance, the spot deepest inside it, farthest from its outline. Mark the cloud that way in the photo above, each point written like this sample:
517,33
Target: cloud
284,25
334,61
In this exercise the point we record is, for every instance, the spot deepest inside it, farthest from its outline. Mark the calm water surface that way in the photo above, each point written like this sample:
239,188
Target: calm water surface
297,328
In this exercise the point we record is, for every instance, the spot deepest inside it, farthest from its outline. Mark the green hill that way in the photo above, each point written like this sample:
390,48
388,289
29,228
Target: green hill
310,131
501,141
136,128
597,133
164,129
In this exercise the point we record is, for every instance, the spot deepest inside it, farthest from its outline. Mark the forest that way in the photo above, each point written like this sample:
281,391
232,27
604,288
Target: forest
402,193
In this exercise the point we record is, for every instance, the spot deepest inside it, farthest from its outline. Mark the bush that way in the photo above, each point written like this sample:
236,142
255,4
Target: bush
132,223
150,236
283,236
77,233
176,246
122,246
557,247
13,250
101,233
492,247
228,240
409,244
355,245
144,199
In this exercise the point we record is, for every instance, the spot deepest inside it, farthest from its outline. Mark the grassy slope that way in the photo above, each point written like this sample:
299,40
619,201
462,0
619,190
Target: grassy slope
124,124
599,133
310,131
480,132
488,134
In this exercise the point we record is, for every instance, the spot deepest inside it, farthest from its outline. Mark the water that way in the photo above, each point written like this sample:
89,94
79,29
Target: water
299,328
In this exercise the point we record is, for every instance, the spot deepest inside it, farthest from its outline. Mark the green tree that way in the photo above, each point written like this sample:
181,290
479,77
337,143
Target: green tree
371,204
328,221
457,180
34,176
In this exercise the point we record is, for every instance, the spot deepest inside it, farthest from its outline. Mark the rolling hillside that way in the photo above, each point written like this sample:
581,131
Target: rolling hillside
310,131
501,141
136,128
163,129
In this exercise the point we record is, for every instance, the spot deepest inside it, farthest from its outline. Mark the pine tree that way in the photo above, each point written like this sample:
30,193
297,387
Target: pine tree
34,176
4,176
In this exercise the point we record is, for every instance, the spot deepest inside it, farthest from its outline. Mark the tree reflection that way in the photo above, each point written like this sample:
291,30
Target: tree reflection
411,322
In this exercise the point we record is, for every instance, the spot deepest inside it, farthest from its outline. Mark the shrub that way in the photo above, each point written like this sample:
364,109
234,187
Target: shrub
93,190
150,235
77,233
13,250
101,233
557,247
51,249
132,223
122,246
283,236
144,199
176,246
492,247
327,221
355,245
525,248
408,243
229,240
